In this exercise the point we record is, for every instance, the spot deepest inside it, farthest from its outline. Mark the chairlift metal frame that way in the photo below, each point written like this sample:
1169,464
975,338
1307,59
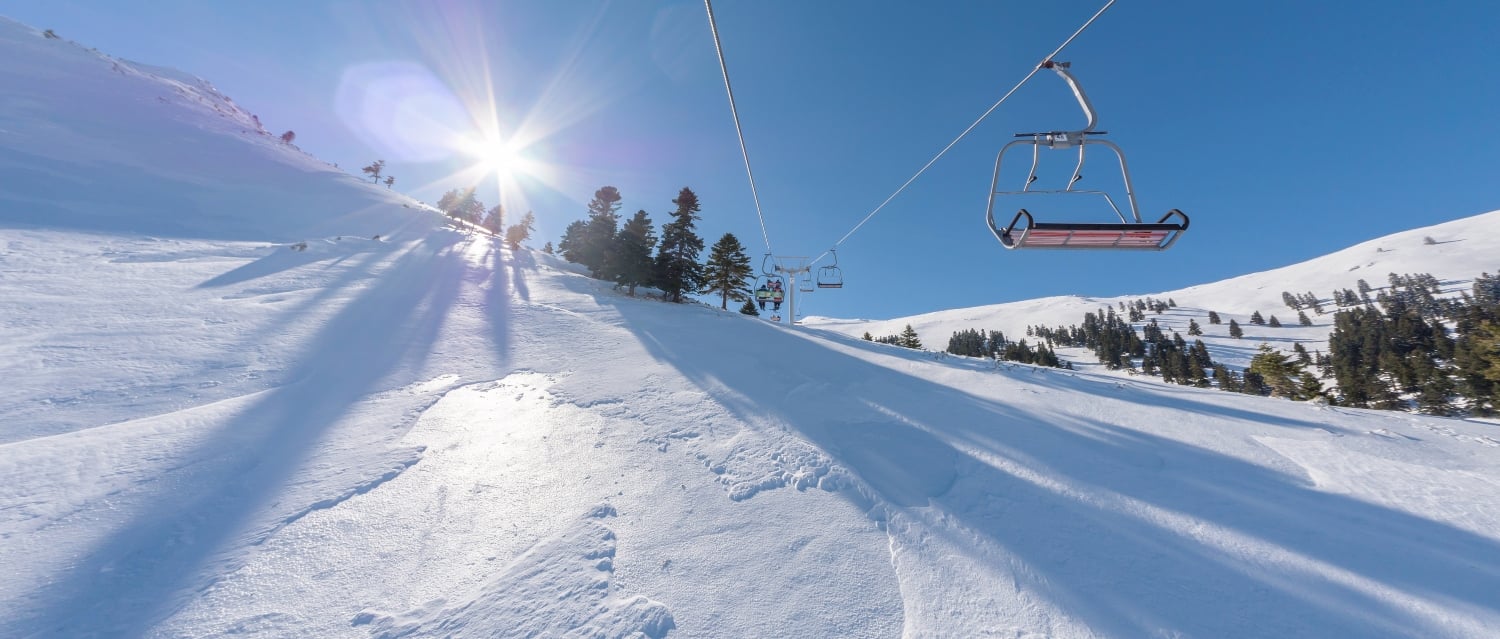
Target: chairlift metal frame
1128,234
831,276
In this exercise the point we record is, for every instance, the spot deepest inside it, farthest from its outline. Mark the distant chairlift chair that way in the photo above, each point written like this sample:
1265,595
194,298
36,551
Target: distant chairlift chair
1024,232
831,276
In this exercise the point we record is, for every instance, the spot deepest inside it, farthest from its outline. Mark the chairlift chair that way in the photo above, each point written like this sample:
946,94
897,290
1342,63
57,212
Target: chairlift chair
764,289
1127,234
831,276
805,283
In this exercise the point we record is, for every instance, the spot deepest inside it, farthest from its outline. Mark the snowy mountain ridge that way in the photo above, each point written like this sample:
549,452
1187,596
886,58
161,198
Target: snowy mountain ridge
205,433
94,143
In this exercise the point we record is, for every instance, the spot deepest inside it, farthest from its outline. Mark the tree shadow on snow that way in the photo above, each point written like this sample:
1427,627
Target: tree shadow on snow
918,444
143,570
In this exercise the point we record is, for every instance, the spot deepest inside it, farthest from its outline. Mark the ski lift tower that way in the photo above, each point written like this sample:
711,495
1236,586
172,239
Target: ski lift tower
792,266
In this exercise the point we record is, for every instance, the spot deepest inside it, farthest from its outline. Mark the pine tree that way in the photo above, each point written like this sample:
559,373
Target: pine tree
1309,386
749,309
374,169
597,246
521,231
726,271
1213,318
1254,384
909,338
1194,328
494,219
1278,371
1303,319
389,180
634,244
1273,322
1255,318
1228,381
571,244
867,337
677,269
1303,357
460,204
1234,330
547,248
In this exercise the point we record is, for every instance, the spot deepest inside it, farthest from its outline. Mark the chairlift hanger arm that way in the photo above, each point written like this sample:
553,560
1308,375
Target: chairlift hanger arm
1083,98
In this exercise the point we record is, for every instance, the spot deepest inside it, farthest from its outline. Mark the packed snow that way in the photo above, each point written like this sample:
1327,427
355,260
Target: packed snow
206,431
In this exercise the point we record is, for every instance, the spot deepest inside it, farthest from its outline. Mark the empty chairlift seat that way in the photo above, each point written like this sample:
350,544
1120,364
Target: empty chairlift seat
1025,232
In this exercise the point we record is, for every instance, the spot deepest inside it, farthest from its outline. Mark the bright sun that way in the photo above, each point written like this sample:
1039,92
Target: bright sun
493,155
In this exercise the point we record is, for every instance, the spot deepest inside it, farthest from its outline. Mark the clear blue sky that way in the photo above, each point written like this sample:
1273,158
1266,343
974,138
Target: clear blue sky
1286,129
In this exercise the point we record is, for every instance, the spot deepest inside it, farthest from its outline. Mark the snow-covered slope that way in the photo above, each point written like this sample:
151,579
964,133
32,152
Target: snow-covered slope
95,143
1454,252
204,433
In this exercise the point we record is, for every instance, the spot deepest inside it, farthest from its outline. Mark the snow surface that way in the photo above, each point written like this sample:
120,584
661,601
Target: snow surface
205,432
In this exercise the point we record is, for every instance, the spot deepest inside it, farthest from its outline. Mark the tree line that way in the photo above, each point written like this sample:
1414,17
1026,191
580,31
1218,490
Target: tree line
463,206
632,255
1407,347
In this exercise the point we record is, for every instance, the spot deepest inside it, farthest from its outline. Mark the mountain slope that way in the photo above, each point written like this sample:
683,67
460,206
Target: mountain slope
95,143
1460,250
428,435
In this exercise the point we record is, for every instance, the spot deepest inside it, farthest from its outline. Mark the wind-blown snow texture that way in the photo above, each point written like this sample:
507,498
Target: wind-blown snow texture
206,433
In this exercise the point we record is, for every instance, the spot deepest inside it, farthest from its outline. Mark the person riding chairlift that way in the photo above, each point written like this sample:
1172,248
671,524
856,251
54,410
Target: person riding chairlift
762,294
776,294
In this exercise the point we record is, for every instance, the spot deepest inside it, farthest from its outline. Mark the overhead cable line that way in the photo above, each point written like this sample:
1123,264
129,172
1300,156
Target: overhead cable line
955,141
712,27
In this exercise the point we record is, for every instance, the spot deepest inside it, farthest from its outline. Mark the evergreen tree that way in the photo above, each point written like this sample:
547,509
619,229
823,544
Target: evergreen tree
597,245
1213,318
1254,384
1303,319
909,338
749,309
1303,357
571,244
1278,371
677,268
1308,385
494,219
1228,381
287,137
1234,330
547,248
520,232
460,204
1273,322
374,169
726,271
633,264
868,337
1194,328
1255,318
